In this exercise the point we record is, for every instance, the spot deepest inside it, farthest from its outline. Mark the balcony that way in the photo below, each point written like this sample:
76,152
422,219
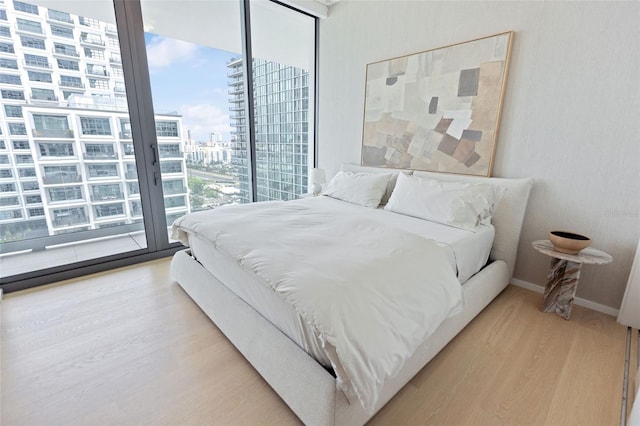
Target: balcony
52,133
36,65
107,197
57,179
100,155
97,73
69,221
56,16
66,52
76,84
92,41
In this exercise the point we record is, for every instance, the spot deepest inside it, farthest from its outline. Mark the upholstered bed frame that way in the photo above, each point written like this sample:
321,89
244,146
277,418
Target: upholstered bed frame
308,388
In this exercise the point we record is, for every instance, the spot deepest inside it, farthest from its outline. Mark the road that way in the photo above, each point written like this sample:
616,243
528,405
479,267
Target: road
211,175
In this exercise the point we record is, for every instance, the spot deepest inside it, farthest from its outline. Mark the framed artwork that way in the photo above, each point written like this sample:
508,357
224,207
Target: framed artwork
437,110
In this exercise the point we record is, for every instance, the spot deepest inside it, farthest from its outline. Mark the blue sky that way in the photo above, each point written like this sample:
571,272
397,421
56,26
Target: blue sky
191,80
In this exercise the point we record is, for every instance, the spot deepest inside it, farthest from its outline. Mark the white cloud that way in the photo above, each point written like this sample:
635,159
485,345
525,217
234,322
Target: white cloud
162,52
203,119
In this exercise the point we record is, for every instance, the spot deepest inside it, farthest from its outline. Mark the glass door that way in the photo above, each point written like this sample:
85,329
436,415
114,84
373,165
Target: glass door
69,189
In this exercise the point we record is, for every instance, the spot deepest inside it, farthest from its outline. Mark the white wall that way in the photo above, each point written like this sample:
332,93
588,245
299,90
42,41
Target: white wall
571,116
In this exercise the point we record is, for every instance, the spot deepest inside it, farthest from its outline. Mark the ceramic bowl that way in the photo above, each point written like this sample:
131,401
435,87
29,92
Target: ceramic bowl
568,242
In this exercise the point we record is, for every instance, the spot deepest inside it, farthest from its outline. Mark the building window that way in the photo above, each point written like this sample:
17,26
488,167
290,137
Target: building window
169,150
56,149
32,42
33,199
91,38
8,63
51,126
170,202
6,173
25,7
167,128
61,31
43,94
17,145
10,214
66,193
2,145
133,188
98,84
7,187
67,93
30,186
106,210
43,77
106,192
173,187
24,159
31,26
36,61
27,173
112,42
95,126
70,216
89,22
117,72
171,167
9,201
59,16
3,14
17,129
7,48
100,150
12,94
65,64
10,79
94,69
61,174
39,211
103,170
70,81
4,159
5,31
93,53
65,49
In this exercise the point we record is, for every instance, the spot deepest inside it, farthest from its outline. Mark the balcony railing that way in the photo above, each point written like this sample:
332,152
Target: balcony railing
52,133
107,197
115,60
56,179
92,41
99,73
28,29
67,52
69,221
59,17
172,191
172,154
77,84
100,155
36,64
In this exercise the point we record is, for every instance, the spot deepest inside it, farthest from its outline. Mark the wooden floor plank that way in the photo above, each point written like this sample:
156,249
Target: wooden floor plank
130,347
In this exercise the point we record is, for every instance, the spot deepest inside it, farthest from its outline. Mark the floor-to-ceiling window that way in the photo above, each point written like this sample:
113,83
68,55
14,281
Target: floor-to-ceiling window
119,117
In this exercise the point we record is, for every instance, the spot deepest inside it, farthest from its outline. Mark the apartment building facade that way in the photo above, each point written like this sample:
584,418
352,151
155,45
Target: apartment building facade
67,159
281,100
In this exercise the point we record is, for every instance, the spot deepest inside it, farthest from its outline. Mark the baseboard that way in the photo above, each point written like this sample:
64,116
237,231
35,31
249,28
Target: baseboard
578,300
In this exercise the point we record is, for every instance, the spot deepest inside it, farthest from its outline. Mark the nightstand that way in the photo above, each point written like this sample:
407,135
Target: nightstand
564,274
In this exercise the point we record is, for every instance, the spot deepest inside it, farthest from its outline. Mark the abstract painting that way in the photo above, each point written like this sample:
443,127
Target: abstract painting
437,110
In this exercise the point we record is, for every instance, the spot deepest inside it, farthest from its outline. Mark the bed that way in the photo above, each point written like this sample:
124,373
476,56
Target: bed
287,350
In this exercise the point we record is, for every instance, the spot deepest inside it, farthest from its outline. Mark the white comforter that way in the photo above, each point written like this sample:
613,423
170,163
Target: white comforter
373,293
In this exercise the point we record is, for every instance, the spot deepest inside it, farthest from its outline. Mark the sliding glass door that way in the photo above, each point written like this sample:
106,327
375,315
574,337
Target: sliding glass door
119,117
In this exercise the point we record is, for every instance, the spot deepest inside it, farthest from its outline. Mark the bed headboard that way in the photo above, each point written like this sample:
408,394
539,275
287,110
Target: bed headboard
508,217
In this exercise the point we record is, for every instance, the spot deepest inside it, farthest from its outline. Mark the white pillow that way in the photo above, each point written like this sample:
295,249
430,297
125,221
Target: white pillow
359,188
354,168
458,204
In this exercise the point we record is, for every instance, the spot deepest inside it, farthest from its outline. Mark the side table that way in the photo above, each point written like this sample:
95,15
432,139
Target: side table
564,274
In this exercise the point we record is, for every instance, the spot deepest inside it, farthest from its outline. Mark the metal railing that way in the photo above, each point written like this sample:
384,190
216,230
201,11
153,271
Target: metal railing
107,197
52,180
52,133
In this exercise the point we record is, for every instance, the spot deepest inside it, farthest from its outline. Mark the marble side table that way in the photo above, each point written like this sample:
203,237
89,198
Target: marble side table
564,274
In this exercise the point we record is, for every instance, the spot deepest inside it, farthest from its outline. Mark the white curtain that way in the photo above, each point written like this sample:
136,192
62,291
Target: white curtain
630,309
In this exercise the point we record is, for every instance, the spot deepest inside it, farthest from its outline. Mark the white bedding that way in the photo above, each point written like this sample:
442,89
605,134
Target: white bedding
381,303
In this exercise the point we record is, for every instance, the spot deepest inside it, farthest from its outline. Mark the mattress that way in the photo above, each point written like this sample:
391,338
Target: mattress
468,251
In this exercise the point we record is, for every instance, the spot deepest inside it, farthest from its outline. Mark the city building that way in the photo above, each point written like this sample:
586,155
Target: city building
66,151
281,100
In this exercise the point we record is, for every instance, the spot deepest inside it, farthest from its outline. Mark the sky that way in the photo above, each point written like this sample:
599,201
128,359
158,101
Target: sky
191,80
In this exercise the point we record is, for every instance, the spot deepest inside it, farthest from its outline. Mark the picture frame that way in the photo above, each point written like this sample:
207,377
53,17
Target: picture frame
437,110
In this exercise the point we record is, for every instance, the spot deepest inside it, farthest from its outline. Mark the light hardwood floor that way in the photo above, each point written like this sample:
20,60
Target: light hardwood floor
129,347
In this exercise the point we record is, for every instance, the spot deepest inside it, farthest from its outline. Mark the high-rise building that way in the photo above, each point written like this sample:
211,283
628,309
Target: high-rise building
281,105
66,150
